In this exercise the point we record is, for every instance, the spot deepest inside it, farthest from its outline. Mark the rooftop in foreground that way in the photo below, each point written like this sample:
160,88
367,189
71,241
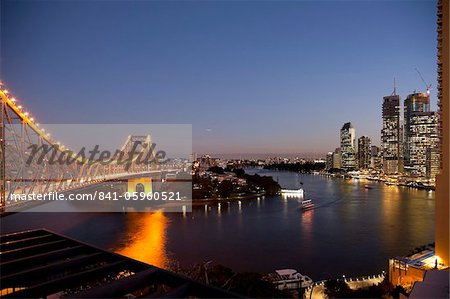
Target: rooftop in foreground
425,259
41,263
434,285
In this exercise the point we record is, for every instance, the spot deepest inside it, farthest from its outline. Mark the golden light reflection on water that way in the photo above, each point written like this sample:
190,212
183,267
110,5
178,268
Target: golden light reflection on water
146,234
404,213
307,222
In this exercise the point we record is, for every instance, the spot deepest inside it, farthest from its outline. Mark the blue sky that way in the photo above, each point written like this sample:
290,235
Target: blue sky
250,76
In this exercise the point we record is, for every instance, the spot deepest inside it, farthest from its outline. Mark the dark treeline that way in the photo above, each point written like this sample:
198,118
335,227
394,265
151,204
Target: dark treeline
307,167
266,183
247,284
255,184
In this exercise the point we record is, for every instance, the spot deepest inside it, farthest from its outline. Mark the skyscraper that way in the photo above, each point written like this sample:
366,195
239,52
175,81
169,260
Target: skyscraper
421,133
391,137
329,161
337,158
415,102
348,147
364,152
423,144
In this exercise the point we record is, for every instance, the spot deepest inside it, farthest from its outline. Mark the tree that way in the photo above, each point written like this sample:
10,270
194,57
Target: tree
225,188
216,169
252,285
239,172
335,288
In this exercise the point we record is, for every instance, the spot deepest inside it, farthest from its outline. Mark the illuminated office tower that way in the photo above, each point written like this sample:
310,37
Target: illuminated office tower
348,147
423,144
433,160
391,137
421,137
337,158
414,103
364,152
329,161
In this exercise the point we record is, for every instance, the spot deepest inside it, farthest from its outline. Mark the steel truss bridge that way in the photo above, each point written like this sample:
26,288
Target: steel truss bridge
22,173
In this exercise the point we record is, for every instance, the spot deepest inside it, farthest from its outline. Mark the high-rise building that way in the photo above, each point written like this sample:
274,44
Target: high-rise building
375,157
442,224
423,144
348,147
337,158
329,161
415,102
421,133
432,166
391,137
364,153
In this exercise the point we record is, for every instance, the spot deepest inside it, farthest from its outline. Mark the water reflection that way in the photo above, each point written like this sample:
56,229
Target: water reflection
146,234
307,223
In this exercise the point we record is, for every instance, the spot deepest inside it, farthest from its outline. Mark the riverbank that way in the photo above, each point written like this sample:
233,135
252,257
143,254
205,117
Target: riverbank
386,181
198,202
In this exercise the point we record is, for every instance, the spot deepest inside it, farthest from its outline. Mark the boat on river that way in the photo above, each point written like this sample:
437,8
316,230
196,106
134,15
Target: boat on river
307,204
292,192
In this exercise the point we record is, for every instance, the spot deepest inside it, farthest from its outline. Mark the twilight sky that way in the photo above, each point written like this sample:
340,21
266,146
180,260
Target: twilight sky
250,76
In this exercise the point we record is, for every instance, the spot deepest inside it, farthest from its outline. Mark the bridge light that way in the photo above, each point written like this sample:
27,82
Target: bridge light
5,91
32,119
25,113
20,107
13,100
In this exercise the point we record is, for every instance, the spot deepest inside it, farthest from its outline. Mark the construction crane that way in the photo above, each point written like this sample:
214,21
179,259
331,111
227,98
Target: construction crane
423,80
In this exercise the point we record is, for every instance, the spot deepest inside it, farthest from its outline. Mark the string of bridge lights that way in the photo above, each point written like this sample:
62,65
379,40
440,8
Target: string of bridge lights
27,117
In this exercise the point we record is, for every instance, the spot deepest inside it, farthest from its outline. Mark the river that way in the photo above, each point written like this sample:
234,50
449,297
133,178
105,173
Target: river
353,231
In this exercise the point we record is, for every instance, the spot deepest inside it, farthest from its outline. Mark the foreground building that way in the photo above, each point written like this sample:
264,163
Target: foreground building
405,271
435,284
443,180
348,147
43,264
422,266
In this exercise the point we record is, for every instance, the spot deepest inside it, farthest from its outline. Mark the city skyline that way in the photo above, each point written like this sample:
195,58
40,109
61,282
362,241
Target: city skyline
241,64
